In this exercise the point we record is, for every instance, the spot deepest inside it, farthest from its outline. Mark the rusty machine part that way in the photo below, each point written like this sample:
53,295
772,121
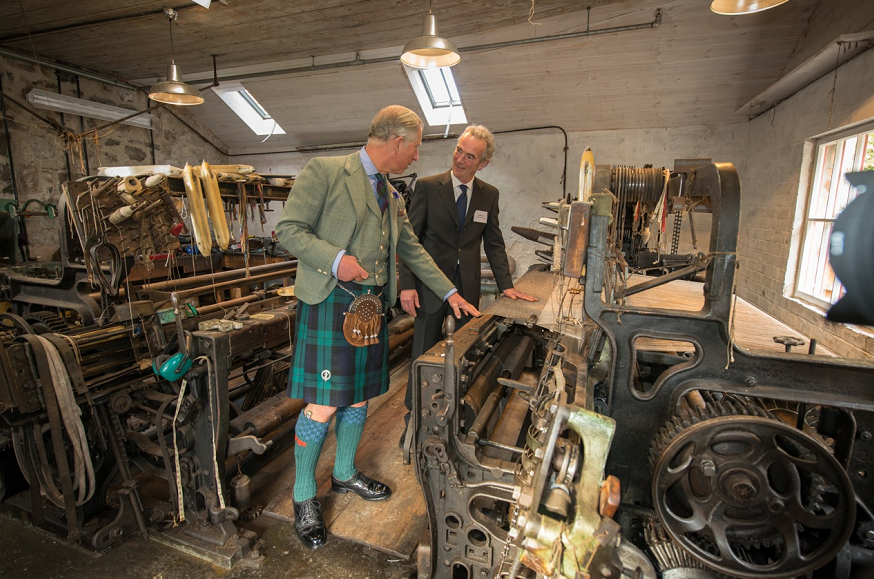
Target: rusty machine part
188,437
498,452
130,410
532,444
748,494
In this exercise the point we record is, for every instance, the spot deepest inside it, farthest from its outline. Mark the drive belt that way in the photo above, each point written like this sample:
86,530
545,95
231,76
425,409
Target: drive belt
54,415
70,362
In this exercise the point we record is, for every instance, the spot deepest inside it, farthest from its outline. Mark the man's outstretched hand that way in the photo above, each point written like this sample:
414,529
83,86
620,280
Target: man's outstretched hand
515,294
459,304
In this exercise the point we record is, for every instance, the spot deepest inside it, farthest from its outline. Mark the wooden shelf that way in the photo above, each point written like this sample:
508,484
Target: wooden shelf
229,190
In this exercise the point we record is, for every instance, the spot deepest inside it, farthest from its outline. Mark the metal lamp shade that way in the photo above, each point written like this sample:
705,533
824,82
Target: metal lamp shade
734,7
173,91
430,50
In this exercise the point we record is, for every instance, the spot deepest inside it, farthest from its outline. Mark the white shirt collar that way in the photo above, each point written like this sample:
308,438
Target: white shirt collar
456,182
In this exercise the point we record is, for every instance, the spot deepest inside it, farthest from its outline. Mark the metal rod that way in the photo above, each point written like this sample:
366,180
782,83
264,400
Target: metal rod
513,449
66,151
230,283
70,69
676,274
221,276
8,142
68,27
204,310
360,62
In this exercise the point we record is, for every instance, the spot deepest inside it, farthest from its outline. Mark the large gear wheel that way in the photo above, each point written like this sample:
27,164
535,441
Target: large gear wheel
749,495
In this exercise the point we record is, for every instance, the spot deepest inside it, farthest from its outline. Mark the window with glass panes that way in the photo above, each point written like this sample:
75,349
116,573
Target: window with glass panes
829,194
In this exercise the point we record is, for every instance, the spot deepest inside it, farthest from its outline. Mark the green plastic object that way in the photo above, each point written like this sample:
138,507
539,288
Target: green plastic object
171,368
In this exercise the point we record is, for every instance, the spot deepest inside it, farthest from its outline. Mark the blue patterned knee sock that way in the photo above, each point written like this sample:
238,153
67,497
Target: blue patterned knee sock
309,436
349,426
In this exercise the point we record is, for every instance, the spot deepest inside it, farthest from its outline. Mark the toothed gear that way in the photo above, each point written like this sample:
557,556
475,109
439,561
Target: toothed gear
50,320
251,513
668,556
747,494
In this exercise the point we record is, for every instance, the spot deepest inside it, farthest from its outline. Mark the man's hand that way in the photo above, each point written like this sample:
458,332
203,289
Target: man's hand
515,294
459,304
410,301
350,270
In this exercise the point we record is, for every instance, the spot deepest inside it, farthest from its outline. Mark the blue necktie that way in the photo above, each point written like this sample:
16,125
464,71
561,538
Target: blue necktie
381,191
461,206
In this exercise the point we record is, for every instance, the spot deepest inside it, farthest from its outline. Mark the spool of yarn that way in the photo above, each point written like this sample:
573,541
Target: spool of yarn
130,184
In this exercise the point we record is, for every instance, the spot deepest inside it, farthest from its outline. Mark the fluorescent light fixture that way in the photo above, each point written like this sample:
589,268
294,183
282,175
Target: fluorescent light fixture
84,108
247,108
438,95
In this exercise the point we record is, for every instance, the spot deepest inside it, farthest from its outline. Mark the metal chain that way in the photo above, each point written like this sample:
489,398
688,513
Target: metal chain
354,296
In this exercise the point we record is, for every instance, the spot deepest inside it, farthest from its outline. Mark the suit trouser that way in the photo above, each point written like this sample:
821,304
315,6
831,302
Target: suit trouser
428,331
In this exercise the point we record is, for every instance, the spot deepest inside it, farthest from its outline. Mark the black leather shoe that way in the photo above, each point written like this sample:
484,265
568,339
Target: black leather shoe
308,523
363,486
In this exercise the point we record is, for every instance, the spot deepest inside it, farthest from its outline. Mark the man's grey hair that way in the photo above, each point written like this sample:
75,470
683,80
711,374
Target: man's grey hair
483,134
394,120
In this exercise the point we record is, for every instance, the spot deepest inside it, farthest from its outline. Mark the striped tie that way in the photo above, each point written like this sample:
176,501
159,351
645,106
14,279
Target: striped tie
381,191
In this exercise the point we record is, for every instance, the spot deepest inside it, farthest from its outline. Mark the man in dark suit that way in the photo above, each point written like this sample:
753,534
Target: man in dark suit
452,214
347,225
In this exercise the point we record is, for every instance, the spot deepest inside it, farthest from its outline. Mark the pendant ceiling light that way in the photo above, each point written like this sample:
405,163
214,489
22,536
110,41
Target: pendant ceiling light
173,91
430,50
735,7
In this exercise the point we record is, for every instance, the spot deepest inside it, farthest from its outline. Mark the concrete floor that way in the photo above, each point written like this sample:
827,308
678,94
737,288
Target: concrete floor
27,553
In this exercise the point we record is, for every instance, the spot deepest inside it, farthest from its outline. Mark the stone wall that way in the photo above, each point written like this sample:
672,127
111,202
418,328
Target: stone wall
42,160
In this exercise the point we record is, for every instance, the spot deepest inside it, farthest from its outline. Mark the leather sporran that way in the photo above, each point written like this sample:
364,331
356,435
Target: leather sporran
363,321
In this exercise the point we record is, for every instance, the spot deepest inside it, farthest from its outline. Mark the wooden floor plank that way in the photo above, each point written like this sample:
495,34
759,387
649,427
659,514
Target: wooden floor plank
753,328
392,526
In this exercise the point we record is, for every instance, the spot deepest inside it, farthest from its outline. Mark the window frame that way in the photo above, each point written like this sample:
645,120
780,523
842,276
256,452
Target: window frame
436,114
244,104
820,214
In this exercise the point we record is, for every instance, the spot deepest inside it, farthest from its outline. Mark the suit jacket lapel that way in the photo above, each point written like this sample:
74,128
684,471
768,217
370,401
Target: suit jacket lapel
447,194
357,181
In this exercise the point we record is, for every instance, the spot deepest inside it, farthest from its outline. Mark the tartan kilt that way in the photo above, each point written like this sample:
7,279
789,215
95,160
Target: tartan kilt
325,368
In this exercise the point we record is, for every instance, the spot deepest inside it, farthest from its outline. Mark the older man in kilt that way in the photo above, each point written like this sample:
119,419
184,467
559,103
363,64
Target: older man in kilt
347,226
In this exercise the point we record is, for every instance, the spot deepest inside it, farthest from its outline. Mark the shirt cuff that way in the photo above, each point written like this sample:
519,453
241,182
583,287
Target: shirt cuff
452,291
336,264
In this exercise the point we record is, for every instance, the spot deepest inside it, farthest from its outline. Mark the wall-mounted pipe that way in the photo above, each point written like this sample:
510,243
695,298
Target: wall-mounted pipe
8,142
70,69
358,61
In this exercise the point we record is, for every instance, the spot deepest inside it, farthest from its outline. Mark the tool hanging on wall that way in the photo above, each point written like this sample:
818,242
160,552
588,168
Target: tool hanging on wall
244,224
197,209
261,215
214,204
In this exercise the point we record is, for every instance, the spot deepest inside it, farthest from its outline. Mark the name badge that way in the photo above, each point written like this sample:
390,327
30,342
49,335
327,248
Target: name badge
481,216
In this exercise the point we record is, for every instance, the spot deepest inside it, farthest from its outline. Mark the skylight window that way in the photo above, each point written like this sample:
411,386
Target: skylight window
438,95
248,109
441,87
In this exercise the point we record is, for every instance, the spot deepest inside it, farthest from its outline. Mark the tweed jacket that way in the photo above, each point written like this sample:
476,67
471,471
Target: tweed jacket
329,207
434,218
